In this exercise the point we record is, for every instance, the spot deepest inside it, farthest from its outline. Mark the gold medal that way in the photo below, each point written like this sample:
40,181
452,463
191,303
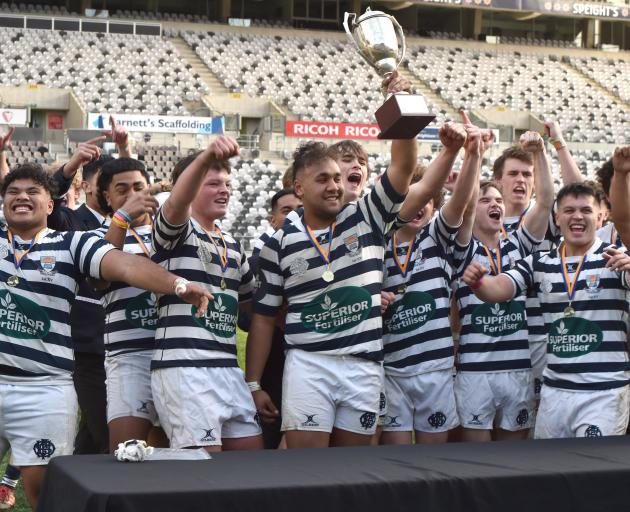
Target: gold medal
569,311
328,276
402,288
13,280
223,284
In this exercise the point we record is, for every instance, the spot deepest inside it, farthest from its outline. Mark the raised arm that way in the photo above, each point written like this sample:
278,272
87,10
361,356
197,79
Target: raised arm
620,193
177,206
120,137
452,136
468,178
138,204
144,274
83,154
464,234
569,170
5,145
498,288
537,219
404,151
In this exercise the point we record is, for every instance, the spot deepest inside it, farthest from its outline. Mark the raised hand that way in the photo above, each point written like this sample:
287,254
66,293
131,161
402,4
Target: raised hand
474,273
222,148
487,140
621,160
452,135
139,203
396,83
118,133
5,140
473,134
618,260
532,142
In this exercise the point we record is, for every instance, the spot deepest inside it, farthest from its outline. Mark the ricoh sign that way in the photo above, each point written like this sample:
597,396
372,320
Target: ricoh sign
314,129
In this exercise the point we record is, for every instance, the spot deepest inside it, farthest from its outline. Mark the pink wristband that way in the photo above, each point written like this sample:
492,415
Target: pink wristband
477,284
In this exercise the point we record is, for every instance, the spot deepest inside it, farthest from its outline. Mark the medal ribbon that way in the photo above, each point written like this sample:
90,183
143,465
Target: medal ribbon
222,257
323,254
403,266
520,223
17,260
139,240
570,283
495,264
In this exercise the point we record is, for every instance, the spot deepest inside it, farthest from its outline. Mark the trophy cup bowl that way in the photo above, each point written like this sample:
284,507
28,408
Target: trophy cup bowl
375,36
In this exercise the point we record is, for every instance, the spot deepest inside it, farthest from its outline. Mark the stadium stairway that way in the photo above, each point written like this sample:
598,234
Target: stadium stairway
607,92
429,94
198,66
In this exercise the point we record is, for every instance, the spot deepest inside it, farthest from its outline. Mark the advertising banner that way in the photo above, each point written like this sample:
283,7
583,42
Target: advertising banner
317,130
14,116
159,124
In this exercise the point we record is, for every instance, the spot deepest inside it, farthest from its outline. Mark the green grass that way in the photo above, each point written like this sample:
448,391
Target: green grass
21,503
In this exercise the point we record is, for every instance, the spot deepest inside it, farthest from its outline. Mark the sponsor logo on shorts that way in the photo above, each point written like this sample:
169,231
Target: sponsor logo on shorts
310,421
22,318
437,419
474,420
593,431
411,312
144,407
141,311
337,310
220,318
498,319
392,421
382,402
522,418
44,448
537,386
368,420
209,436
258,420
573,337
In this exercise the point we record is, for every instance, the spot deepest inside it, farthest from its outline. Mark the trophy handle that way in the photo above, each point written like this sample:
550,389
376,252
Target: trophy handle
349,24
403,43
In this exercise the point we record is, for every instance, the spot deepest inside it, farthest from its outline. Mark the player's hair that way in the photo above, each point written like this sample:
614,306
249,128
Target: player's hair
279,195
484,185
109,170
287,177
344,147
515,152
438,197
307,154
30,171
604,175
94,166
576,190
183,163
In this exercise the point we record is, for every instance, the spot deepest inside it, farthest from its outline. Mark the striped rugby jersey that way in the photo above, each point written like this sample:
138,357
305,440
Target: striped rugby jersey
609,235
35,340
493,336
130,313
180,339
262,240
342,317
586,351
417,335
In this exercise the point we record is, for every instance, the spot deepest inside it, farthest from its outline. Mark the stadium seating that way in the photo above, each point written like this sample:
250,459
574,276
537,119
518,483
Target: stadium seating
612,74
108,72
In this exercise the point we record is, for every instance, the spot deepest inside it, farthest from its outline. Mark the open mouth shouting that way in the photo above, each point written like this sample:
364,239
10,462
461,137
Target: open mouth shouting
355,178
495,214
519,191
577,228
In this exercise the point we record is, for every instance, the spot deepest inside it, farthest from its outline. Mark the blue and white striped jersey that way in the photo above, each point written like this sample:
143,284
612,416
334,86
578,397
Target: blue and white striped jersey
130,313
586,351
341,317
35,341
417,335
188,251
494,336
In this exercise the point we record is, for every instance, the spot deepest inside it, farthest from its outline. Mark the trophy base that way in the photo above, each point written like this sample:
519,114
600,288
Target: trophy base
403,116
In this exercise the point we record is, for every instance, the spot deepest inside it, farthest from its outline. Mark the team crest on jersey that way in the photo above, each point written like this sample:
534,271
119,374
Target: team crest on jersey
420,261
592,284
352,244
546,286
47,264
204,253
298,266
4,251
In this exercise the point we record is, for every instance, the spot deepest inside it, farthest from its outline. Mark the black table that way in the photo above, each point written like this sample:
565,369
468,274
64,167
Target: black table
531,476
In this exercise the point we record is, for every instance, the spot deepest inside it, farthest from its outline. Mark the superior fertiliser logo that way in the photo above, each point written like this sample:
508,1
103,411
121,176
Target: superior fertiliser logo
220,319
411,312
573,337
498,319
22,318
141,311
337,310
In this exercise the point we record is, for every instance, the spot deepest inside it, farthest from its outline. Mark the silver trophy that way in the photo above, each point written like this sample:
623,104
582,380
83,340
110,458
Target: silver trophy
375,35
